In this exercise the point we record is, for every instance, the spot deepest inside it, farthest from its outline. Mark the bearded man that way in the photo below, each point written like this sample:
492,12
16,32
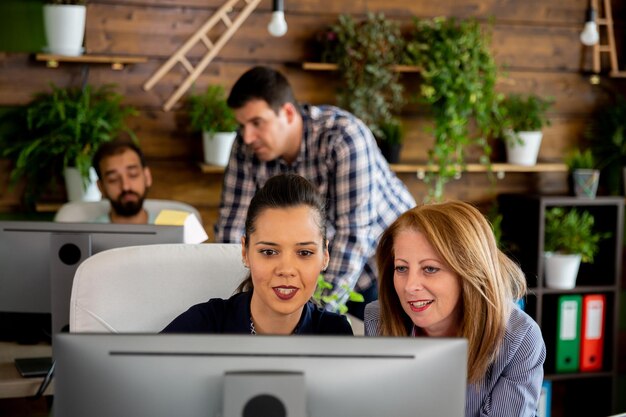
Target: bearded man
124,179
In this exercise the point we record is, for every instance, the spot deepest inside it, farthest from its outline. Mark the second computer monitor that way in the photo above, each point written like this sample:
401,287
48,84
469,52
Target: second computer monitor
38,259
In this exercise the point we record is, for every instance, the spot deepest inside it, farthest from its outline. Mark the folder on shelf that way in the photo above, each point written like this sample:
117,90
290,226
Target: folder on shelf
545,399
592,329
568,333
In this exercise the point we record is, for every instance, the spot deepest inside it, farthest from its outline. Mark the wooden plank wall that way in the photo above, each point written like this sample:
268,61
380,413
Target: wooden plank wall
535,41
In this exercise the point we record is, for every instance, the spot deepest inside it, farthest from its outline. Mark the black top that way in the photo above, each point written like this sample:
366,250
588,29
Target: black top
233,316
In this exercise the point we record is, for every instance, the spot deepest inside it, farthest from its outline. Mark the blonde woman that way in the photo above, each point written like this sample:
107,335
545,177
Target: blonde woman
442,275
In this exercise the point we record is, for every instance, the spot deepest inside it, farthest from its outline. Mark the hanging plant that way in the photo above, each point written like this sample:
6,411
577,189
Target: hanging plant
458,80
365,53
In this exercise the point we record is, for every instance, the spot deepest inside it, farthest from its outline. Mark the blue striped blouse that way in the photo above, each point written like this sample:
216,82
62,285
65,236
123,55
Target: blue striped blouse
512,384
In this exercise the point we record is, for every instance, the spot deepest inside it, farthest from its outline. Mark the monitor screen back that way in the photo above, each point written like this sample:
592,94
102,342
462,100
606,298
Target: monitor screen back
26,257
106,375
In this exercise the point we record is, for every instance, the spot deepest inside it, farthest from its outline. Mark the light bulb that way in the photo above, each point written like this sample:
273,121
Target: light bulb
278,24
590,36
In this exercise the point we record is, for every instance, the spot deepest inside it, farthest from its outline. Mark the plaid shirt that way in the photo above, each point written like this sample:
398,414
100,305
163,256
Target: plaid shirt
341,159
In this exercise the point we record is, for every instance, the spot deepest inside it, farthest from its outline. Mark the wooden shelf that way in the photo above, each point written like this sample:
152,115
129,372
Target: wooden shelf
324,66
422,168
495,167
211,169
47,207
116,62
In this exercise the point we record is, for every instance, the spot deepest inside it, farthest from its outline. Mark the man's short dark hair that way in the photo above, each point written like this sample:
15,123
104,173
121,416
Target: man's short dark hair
261,83
116,147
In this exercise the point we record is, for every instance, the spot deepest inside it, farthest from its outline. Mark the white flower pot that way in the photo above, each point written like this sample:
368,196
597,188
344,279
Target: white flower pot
561,270
217,147
65,28
74,185
523,148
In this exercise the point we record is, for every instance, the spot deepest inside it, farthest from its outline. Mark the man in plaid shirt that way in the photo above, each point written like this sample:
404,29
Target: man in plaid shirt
332,149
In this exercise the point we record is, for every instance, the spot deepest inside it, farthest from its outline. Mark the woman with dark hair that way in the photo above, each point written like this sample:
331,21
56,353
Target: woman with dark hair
441,274
285,248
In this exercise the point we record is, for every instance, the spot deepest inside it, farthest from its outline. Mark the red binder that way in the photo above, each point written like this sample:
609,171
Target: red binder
592,332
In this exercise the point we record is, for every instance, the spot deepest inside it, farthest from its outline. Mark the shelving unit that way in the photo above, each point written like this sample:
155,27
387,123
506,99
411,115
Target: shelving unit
523,225
116,62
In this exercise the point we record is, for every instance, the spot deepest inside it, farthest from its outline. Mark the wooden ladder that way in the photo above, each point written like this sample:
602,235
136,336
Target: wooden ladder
213,48
605,20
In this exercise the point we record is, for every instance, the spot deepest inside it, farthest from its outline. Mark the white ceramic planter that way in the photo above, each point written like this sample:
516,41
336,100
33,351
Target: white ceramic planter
524,152
75,189
65,28
217,147
561,270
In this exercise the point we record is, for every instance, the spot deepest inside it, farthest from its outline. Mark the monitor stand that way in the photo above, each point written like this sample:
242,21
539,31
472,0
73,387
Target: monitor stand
264,394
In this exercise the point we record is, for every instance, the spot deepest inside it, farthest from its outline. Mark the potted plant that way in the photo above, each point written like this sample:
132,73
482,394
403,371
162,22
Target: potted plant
62,129
607,137
458,79
321,298
64,23
585,176
391,140
365,53
569,239
209,114
522,119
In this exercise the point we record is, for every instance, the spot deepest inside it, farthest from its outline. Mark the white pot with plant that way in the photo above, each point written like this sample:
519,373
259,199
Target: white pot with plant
522,121
79,189
569,240
62,129
209,114
64,23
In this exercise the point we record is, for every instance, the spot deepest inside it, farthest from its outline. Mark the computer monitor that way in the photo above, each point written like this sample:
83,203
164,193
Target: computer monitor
38,260
159,375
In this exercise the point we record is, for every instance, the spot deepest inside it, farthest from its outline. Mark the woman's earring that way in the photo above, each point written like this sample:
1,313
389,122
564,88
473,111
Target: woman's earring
245,265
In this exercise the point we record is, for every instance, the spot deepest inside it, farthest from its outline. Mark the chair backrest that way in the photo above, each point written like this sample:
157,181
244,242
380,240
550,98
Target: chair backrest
88,211
141,289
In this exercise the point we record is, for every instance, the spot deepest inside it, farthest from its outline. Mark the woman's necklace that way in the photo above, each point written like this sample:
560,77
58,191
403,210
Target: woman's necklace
253,330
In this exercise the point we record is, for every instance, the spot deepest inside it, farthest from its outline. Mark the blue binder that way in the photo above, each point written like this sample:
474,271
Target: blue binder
545,399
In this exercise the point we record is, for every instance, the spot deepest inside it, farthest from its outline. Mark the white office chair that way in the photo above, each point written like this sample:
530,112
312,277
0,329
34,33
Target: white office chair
87,211
142,289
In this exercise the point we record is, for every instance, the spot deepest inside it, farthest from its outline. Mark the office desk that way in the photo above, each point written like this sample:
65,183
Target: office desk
12,384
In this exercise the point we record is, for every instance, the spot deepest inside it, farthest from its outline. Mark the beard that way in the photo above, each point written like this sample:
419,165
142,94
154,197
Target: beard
128,208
